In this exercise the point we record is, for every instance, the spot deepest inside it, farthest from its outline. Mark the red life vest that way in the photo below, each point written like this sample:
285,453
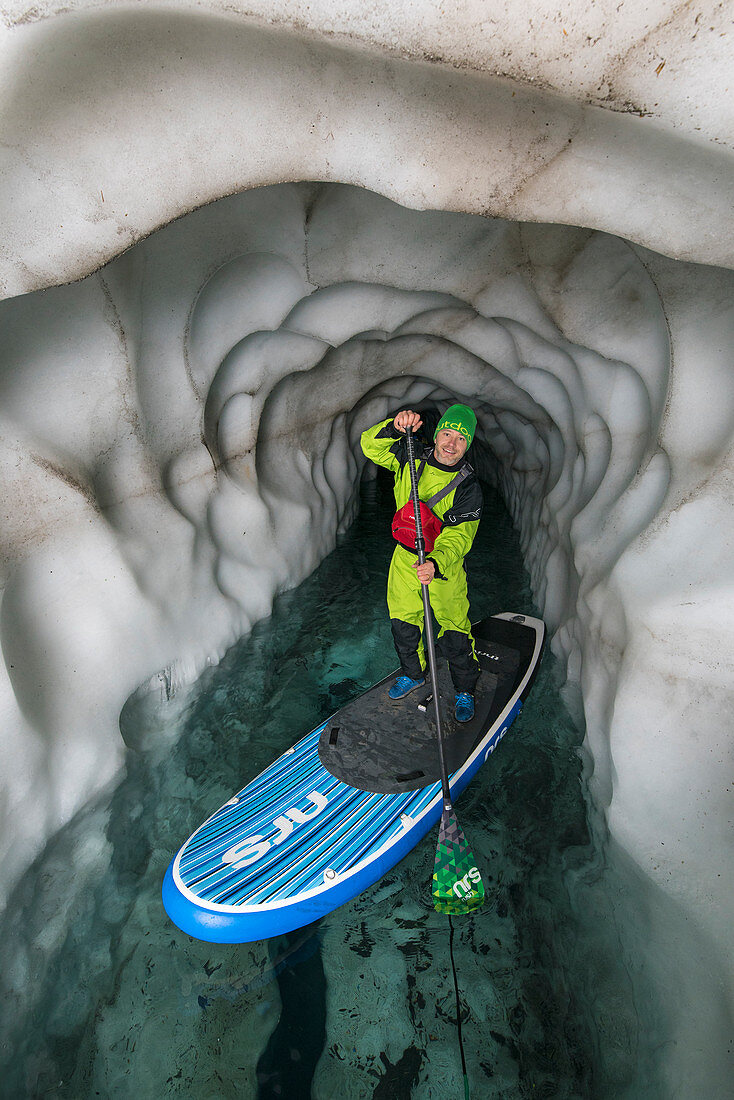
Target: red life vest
403,526
403,523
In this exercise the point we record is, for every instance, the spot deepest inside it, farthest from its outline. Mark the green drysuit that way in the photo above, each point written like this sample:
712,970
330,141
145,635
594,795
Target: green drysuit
459,511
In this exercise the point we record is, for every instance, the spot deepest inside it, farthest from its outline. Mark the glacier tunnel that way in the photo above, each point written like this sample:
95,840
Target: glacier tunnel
233,240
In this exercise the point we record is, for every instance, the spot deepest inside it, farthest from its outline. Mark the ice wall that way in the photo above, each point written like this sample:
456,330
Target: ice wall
121,116
179,428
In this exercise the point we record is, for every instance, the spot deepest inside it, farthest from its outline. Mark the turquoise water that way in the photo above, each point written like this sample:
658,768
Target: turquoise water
102,996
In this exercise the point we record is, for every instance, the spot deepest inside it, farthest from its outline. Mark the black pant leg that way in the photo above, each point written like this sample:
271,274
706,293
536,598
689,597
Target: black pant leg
406,637
456,647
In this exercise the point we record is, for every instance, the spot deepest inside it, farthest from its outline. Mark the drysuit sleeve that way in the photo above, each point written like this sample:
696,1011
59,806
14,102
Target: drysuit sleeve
460,523
381,444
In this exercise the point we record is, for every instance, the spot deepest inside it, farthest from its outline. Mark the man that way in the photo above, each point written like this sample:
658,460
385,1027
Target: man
449,486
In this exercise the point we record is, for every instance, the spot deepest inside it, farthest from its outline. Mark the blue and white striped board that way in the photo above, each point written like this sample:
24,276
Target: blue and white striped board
297,842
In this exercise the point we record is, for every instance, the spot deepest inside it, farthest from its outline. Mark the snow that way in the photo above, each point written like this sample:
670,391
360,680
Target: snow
439,115
179,428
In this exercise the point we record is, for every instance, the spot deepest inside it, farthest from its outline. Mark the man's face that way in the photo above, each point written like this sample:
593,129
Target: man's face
450,446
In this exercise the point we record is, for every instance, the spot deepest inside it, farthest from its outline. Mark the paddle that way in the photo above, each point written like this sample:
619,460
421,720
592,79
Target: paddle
457,884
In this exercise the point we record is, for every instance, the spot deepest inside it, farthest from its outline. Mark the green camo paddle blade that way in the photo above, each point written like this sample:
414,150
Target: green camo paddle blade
457,884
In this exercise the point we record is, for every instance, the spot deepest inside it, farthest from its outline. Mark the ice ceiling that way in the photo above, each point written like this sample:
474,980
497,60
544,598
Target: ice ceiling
179,427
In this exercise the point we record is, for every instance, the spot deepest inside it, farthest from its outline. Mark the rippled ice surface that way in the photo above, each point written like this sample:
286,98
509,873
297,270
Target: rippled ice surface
103,996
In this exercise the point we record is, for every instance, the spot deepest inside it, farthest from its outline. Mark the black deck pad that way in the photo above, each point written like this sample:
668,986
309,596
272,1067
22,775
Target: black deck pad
377,745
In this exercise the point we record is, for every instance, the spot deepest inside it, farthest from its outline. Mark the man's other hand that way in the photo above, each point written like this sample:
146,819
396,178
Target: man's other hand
425,572
407,419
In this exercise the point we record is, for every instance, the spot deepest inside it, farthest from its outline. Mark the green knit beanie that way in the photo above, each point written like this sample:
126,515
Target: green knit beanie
461,419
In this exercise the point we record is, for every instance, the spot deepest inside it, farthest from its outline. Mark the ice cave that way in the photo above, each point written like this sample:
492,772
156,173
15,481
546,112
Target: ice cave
234,236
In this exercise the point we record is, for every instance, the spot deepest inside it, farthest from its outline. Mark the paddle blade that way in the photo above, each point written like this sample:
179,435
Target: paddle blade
457,884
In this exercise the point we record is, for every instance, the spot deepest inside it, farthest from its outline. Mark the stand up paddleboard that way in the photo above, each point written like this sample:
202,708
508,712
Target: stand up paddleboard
331,815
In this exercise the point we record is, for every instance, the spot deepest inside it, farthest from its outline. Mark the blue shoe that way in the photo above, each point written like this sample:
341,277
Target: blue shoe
403,686
464,707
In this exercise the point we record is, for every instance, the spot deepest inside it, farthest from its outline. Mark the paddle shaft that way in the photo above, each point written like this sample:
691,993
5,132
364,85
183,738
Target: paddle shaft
420,544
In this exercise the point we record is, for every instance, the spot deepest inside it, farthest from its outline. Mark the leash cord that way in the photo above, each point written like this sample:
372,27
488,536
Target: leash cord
458,1009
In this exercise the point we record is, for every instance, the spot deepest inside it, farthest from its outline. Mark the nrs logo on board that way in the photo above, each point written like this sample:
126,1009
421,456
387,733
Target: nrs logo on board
253,848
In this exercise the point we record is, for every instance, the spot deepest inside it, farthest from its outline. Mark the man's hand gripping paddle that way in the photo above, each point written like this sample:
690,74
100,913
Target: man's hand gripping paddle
457,884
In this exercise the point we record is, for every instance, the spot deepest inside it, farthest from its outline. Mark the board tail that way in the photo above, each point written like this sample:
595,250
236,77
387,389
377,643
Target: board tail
457,883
